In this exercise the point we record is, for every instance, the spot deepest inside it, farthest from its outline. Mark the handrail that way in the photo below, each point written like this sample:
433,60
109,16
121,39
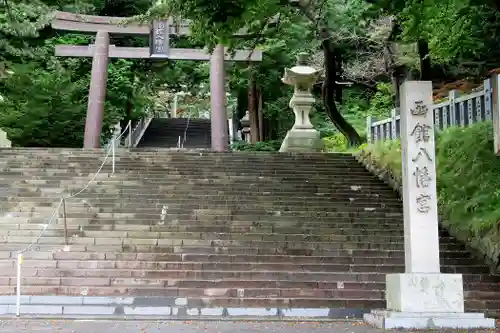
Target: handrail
139,130
62,203
454,110
180,144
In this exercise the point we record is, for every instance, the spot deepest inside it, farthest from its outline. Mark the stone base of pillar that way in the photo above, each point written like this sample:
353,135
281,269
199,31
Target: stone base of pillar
426,301
385,319
302,140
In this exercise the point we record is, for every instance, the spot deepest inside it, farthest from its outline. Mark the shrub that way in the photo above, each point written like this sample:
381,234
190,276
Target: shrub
468,175
273,145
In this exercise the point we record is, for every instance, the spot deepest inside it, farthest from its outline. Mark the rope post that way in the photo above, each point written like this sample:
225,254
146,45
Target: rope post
65,222
18,288
113,142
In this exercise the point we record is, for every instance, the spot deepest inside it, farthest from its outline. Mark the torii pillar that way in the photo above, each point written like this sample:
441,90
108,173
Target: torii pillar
219,126
97,91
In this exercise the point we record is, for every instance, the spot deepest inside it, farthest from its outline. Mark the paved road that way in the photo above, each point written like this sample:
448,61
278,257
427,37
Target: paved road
44,326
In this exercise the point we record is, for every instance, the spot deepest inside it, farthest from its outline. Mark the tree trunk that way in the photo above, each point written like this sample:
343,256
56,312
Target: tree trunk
329,87
260,114
253,109
328,95
425,60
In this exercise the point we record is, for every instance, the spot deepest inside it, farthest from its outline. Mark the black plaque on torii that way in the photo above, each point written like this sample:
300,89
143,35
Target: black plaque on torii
160,39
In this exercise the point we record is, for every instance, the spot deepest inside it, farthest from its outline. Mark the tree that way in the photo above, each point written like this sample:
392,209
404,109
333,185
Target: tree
216,22
27,44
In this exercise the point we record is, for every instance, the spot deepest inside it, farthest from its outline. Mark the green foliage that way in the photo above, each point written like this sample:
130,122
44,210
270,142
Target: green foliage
45,98
273,145
20,23
382,102
455,29
387,154
43,108
335,143
467,176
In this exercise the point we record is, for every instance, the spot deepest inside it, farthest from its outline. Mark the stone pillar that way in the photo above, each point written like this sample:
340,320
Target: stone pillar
218,100
97,92
302,137
419,178
422,297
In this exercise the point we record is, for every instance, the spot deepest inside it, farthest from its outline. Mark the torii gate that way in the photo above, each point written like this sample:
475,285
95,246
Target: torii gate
160,32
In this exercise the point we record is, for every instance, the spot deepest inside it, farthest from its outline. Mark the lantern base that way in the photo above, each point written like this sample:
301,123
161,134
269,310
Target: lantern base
302,140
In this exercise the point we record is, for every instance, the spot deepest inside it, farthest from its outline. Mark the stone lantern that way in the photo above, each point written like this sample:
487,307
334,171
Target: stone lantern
302,137
245,123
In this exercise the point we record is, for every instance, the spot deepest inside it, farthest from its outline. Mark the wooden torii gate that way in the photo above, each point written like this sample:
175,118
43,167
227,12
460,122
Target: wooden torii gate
159,32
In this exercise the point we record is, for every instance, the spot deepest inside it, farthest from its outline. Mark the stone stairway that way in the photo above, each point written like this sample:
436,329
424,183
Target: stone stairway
201,234
165,133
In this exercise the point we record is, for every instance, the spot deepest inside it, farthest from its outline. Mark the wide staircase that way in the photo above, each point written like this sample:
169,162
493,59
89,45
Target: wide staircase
177,133
202,234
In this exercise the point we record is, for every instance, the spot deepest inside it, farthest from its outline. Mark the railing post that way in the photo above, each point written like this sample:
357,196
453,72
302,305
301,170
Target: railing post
451,106
65,222
18,285
129,134
487,99
369,122
113,156
393,124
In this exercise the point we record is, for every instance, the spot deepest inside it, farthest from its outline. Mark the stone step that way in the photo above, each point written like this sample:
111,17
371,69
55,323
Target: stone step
156,223
215,171
325,290
137,249
152,152
157,289
209,239
84,253
447,266
231,216
205,302
180,157
207,286
201,231
186,196
182,206
92,193
121,168
277,183
472,290
103,200
207,305
181,174
158,268
218,167
68,275
310,228
201,308
359,257
230,187
319,185
222,246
